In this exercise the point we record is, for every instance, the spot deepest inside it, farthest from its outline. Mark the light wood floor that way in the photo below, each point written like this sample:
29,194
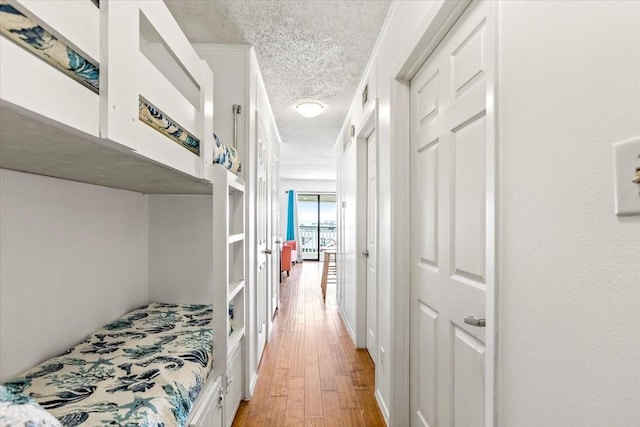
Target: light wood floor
311,374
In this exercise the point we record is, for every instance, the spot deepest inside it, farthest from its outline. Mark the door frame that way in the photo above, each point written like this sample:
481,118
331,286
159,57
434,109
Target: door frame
369,126
421,46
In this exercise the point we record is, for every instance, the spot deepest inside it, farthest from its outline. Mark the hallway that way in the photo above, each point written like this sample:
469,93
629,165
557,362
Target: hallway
310,373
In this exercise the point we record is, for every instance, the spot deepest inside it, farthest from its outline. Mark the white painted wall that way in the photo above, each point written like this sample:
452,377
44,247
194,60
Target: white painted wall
181,248
72,257
314,161
569,287
404,20
569,284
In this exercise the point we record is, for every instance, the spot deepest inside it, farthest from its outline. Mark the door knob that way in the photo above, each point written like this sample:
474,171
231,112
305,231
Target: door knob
480,323
366,253
267,251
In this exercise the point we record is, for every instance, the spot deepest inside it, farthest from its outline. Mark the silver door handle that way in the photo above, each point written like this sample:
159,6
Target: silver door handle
277,242
267,251
366,253
221,399
480,323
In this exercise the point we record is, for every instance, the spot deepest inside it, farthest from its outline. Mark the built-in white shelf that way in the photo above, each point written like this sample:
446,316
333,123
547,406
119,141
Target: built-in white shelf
234,340
229,267
236,185
234,288
235,238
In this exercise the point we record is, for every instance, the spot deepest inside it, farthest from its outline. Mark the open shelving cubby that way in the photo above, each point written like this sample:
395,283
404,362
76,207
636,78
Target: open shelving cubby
229,289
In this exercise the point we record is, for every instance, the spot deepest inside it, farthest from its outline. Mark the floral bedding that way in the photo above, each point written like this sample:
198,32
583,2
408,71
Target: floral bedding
144,369
18,410
28,34
159,121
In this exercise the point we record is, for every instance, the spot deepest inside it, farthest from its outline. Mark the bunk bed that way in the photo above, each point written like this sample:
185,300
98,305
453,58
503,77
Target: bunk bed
80,99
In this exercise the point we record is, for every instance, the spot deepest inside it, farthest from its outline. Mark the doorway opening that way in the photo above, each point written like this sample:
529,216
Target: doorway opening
318,232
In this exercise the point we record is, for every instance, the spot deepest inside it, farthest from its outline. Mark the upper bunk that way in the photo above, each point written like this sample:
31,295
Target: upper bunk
87,95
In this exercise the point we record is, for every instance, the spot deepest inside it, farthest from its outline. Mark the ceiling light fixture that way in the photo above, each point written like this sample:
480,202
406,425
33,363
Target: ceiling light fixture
310,108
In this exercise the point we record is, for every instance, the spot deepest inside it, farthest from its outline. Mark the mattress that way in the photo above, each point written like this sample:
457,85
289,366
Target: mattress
144,369
159,121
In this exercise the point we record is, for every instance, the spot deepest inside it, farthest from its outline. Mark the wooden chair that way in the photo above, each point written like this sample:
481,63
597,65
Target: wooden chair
329,266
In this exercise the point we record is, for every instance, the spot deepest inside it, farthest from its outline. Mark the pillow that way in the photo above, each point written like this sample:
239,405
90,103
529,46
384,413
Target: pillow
19,410
226,156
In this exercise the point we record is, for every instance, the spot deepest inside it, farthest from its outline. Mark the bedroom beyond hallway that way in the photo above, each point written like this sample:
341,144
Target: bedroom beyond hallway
311,373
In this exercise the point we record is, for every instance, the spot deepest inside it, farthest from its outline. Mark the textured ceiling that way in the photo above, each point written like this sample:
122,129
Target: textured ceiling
307,50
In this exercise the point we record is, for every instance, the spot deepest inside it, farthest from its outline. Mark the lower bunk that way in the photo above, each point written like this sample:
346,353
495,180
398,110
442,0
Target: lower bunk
151,367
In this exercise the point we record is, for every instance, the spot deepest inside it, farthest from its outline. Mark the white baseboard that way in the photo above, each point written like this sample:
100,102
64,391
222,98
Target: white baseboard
252,386
382,406
346,323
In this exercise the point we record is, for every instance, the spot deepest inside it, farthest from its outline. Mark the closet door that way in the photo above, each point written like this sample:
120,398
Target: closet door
452,228
262,252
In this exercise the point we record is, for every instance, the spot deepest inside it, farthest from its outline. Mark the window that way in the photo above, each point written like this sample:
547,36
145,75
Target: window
317,217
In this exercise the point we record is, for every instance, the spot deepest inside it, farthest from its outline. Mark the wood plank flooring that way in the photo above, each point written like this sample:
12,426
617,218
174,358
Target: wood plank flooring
311,374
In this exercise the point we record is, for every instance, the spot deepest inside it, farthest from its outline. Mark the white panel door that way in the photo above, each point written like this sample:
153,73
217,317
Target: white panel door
372,289
452,227
274,218
262,235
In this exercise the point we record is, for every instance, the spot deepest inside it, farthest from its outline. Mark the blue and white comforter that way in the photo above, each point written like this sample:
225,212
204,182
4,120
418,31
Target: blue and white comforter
18,410
144,369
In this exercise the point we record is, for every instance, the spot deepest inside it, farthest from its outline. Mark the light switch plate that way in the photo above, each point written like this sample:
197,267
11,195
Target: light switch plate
626,160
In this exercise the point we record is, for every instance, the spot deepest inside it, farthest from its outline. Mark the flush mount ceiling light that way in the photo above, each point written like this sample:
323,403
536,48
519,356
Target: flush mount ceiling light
310,109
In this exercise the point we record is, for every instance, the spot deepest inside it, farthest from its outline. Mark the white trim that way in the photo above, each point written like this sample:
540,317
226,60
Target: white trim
400,250
217,47
252,385
382,406
428,37
492,219
346,324
422,46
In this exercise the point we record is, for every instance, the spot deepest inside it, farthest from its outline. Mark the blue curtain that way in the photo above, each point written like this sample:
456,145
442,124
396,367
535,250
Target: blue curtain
291,227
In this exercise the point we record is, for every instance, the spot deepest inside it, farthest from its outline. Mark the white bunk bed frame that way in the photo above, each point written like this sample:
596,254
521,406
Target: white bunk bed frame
49,119
52,125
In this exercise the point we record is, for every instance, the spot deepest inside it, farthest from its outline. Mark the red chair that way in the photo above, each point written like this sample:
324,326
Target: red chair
294,250
285,259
